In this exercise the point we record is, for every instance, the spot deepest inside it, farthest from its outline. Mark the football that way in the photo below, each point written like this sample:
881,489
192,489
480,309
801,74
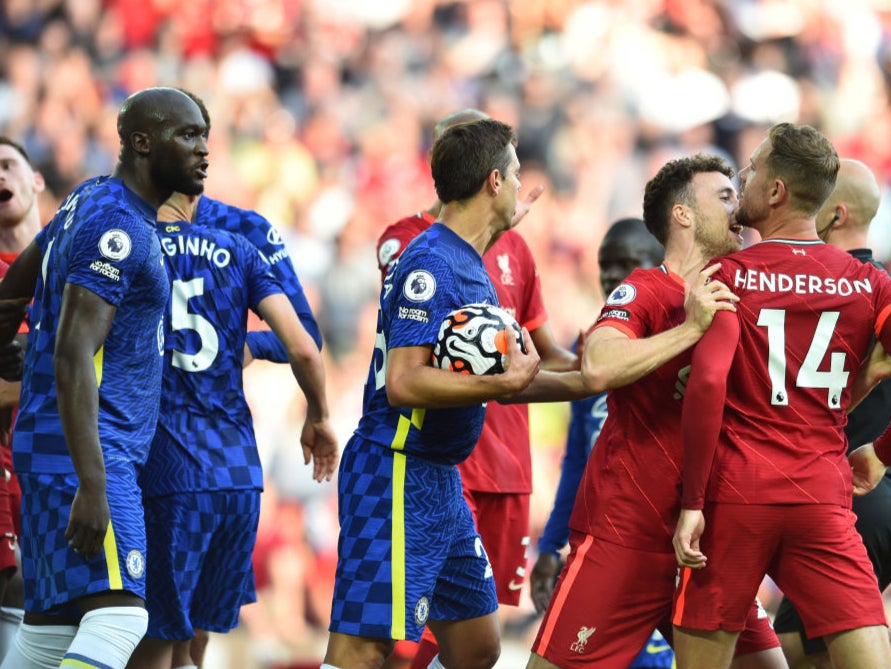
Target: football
473,340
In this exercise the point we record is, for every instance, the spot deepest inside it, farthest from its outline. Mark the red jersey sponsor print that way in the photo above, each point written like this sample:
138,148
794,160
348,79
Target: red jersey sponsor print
807,314
630,491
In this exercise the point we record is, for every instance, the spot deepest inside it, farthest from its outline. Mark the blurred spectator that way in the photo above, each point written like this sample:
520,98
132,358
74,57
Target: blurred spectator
324,109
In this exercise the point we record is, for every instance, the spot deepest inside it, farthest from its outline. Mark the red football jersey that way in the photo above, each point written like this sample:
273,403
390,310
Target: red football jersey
396,237
630,492
5,452
767,402
501,461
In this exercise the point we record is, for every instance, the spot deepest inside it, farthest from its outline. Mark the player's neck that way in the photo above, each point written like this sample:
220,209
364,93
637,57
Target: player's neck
789,227
848,240
141,183
15,239
464,220
685,258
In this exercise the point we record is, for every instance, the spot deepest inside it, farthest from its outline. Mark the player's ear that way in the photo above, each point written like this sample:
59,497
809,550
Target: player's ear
140,142
495,180
39,182
779,192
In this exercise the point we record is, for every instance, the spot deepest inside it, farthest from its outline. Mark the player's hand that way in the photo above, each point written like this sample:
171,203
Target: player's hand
521,367
319,445
524,205
12,357
868,469
691,525
177,208
706,297
580,342
877,367
88,521
542,579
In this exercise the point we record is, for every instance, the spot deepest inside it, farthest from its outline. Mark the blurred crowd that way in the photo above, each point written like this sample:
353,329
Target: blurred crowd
322,116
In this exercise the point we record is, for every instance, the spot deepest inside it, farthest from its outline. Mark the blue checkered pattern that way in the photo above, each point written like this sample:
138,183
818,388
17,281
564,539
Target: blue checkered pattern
446,574
103,239
200,572
54,575
259,232
205,437
453,275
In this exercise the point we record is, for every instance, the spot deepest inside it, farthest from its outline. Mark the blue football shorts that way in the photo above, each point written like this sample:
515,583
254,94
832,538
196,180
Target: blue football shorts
55,577
408,548
199,570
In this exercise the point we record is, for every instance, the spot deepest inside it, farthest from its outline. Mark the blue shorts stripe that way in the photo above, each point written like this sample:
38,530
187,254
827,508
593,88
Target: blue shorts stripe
398,615
55,576
83,662
408,547
110,544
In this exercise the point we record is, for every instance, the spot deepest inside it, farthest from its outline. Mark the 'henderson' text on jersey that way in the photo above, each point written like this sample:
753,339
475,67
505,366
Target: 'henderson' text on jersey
799,283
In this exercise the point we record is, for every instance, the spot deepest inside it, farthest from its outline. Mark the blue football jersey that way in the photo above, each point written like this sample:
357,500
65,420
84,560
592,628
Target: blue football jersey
437,273
102,239
205,437
260,232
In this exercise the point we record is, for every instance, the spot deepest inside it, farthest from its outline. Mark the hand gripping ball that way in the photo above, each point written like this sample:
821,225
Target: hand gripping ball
473,340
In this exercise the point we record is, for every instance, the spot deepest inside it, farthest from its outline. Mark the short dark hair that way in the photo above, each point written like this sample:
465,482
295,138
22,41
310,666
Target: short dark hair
671,185
18,147
806,162
464,156
633,228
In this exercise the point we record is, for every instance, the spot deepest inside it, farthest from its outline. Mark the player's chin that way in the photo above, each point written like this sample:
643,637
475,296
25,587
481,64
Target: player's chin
192,186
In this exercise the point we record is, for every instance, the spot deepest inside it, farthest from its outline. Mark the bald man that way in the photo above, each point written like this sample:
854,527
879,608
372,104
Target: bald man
91,389
843,221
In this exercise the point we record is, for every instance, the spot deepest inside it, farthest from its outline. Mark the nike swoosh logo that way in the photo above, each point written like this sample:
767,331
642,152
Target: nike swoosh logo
515,586
654,648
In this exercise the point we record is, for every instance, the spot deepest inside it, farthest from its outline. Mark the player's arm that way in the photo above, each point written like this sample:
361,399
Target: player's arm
17,289
317,437
412,381
876,368
870,460
613,359
84,322
10,391
548,386
263,344
556,530
553,356
701,418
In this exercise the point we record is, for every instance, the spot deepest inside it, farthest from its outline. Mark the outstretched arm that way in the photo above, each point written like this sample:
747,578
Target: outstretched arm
413,382
317,438
613,359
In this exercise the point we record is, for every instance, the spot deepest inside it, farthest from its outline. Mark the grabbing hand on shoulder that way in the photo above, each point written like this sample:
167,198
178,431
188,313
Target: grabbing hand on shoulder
707,297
